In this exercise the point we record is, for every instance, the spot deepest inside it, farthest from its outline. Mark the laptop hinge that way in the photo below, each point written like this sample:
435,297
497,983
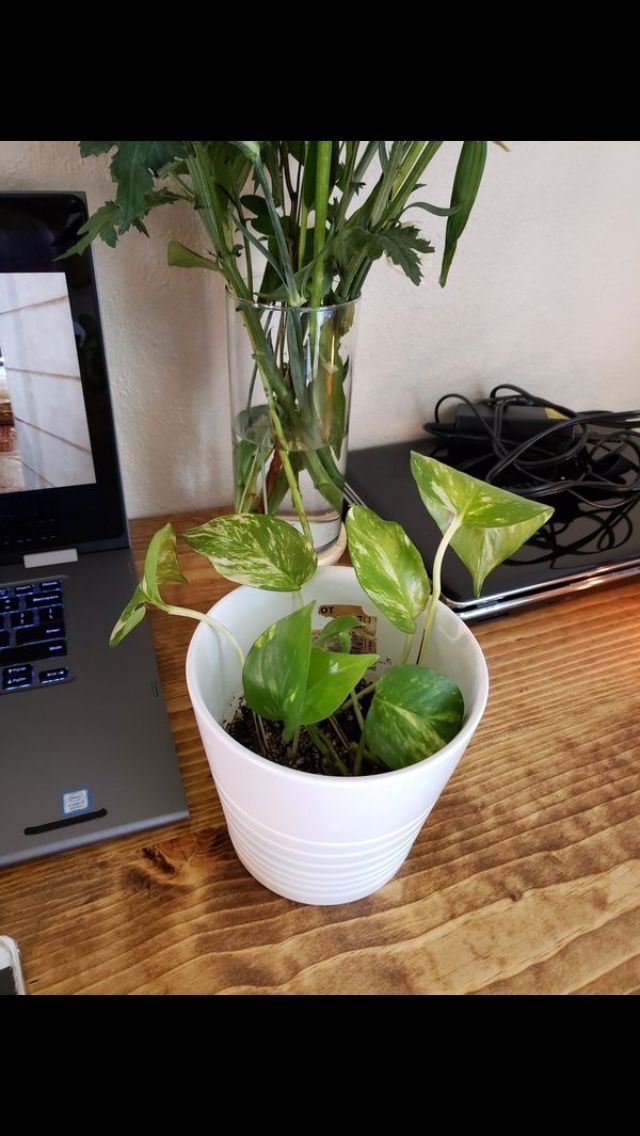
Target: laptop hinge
45,559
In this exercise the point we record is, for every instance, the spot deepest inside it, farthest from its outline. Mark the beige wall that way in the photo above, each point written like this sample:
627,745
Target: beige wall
41,364
544,292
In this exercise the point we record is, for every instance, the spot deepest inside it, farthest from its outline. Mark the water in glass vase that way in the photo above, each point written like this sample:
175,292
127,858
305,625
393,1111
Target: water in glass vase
260,482
290,373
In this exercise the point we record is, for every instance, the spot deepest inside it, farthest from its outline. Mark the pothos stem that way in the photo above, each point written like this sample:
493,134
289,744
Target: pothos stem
436,584
203,618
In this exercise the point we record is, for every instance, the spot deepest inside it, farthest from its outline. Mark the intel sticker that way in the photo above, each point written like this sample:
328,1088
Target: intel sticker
76,801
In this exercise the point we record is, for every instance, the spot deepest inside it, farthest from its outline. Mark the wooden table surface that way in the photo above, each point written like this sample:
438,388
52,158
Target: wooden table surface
525,879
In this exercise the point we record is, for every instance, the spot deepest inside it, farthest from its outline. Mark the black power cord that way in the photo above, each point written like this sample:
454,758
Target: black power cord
538,448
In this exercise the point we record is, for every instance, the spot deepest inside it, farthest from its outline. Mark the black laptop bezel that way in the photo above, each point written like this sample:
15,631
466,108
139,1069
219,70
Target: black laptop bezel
89,518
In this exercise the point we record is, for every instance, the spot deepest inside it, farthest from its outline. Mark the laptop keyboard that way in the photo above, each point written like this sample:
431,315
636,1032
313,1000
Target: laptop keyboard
32,635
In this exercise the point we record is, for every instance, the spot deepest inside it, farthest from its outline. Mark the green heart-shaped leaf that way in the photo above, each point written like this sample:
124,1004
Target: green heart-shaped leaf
332,676
337,628
415,711
388,566
263,552
495,523
161,565
274,676
132,615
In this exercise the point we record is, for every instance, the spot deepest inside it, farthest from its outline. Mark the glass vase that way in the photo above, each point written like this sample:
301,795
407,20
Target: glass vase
290,374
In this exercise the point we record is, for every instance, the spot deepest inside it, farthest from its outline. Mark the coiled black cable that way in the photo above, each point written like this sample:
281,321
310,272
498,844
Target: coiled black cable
592,455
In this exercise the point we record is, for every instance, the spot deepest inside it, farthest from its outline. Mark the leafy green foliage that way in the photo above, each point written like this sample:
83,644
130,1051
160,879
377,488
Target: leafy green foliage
292,180
280,224
250,150
102,223
94,149
134,166
415,712
275,672
286,679
339,629
129,618
332,675
287,221
161,564
494,522
263,552
401,243
388,566
292,678
179,256
160,567
466,184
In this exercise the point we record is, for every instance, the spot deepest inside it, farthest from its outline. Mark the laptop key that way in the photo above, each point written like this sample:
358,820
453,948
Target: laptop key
50,586
22,618
51,614
40,633
12,603
53,674
38,600
16,678
29,652
4,639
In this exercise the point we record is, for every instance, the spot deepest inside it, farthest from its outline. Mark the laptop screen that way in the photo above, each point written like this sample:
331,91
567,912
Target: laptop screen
44,434
59,478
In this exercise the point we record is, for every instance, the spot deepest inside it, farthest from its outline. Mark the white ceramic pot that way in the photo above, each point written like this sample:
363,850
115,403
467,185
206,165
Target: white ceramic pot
312,838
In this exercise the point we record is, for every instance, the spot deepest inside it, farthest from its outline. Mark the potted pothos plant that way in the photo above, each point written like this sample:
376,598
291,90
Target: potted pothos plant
294,228
373,686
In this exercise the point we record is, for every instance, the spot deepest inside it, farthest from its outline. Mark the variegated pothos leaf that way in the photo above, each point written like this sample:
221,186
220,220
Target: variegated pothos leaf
130,617
160,565
388,566
263,552
332,676
415,712
495,523
274,676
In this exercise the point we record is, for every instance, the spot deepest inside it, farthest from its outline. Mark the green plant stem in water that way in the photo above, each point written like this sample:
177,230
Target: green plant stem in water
288,471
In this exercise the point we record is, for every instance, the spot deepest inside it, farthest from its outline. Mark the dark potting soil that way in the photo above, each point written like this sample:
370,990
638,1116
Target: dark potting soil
343,733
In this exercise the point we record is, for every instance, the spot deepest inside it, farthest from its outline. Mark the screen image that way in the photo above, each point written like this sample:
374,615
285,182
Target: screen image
44,435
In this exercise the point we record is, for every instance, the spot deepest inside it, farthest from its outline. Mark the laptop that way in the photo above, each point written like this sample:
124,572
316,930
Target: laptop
86,750
580,547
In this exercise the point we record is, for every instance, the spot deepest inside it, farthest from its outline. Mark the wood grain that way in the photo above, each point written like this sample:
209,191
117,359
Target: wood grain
525,880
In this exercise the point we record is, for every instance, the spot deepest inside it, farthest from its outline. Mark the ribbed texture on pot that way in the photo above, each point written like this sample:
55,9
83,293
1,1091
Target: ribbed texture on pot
313,872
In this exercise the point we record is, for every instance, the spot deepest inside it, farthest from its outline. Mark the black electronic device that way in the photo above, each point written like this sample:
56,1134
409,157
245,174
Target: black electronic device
86,749
591,477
